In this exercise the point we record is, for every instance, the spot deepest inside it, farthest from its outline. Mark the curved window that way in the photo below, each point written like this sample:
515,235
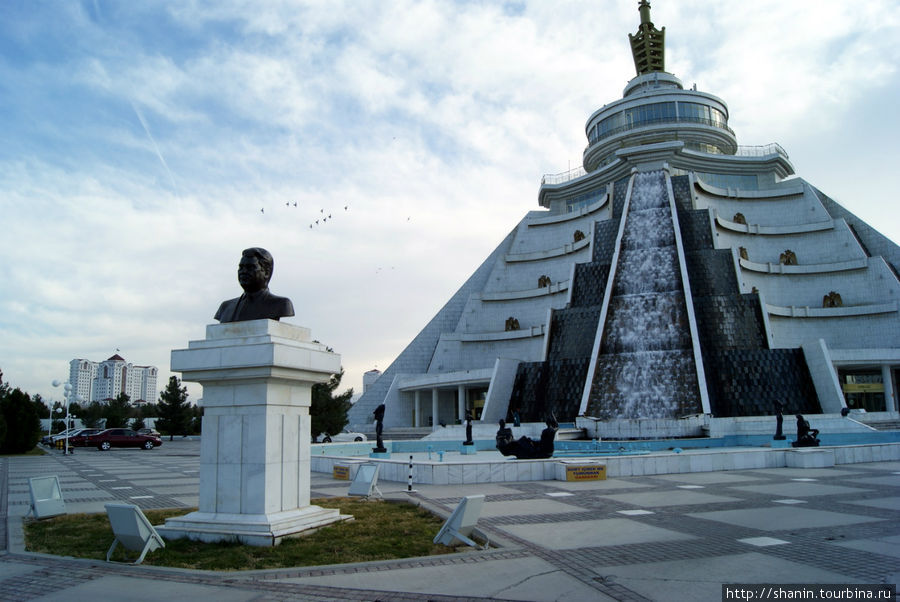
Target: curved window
581,201
654,113
692,111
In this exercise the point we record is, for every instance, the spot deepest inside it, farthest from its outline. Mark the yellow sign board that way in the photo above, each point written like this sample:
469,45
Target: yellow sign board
340,472
586,472
863,388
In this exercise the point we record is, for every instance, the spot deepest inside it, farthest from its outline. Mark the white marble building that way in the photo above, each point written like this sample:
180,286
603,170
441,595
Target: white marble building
97,381
823,283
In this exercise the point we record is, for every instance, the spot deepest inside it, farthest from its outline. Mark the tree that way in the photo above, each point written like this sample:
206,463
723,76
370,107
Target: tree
328,413
23,426
40,407
117,411
173,410
91,415
137,424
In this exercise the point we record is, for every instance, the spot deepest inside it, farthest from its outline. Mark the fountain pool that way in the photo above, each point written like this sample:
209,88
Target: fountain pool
442,463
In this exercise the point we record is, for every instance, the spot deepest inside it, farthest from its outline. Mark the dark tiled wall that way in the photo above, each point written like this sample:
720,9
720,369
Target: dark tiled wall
711,272
552,386
730,322
743,376
696,231
590,284
619,190
605,240
572,333
748,382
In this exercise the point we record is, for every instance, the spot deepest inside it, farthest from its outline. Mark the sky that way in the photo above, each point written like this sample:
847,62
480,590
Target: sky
143,145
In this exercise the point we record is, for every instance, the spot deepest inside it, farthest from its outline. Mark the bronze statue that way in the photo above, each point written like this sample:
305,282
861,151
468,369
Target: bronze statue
257,303
504,439
779,421
525,448
379,428
806,436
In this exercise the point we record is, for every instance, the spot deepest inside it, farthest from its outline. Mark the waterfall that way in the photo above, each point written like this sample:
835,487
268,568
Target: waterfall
645,368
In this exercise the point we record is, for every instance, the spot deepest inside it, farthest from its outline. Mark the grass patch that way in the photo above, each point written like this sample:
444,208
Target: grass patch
381,531
35,451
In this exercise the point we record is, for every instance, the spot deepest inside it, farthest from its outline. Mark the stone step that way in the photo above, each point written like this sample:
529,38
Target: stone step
884,425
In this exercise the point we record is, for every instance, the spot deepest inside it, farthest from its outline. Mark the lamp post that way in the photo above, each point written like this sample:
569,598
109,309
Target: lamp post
55,411
69,396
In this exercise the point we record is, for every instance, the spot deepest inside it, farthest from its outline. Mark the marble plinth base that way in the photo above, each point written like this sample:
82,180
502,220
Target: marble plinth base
809,458
257,378
467,450
380,454
253,529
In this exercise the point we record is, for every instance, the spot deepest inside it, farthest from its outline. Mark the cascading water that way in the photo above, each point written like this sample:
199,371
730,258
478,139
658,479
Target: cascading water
645,368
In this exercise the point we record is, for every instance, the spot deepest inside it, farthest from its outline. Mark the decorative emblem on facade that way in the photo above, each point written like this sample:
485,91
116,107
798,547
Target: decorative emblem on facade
832,299
788,258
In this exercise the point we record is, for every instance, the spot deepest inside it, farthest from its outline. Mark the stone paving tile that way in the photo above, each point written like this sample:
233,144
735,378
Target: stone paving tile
861,551
656,499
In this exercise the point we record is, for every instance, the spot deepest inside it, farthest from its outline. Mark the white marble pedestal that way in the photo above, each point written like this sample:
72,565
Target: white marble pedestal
257,378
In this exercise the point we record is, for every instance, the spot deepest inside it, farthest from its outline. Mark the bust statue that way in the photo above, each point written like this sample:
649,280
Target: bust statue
257,303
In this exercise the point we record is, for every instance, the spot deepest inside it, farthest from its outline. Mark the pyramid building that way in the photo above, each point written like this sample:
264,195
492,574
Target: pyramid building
675,274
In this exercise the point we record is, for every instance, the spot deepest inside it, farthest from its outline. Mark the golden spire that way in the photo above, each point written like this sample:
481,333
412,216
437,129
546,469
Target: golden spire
648,45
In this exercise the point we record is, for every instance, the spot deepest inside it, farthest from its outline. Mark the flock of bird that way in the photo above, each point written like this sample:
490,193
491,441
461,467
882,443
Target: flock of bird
322,220
317,222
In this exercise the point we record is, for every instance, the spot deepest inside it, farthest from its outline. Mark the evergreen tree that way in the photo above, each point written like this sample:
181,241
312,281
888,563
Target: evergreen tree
23,426
173,411
4,391
91,415
117,411
328,413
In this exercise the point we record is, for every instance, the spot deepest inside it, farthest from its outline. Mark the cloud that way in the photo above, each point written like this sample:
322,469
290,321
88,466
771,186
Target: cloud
432,121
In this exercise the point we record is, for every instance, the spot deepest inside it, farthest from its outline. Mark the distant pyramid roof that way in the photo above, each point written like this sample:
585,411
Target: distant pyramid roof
116,358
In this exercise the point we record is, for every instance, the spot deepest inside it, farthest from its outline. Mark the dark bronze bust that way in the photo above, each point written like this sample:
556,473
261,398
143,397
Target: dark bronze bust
257,303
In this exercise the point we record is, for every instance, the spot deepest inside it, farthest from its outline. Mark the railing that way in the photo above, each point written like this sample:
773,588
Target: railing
762,151
559,178
742,151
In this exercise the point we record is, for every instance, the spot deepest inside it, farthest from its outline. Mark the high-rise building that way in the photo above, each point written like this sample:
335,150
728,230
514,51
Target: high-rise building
98,381
676,273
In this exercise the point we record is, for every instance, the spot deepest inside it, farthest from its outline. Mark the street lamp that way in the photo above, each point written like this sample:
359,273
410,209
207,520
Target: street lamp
69,396
55,411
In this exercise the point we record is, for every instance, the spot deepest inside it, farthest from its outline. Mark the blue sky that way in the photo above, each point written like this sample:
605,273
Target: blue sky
141,140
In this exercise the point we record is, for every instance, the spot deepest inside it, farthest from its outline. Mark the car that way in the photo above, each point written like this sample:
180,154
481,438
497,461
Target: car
121,437
50,439
343,436
151,432
79,438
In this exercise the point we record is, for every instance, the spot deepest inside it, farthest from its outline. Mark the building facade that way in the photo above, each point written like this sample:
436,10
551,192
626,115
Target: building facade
99,381
675,274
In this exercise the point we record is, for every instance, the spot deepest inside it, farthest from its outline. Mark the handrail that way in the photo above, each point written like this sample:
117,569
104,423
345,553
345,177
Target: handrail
762,150
559,178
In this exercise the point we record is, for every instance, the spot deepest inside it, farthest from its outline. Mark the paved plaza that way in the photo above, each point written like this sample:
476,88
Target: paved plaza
662,537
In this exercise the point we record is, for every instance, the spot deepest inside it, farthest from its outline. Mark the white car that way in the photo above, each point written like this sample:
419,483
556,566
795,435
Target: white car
344,436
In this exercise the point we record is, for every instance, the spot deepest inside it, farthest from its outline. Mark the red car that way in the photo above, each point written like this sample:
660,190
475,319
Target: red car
80,438
109,438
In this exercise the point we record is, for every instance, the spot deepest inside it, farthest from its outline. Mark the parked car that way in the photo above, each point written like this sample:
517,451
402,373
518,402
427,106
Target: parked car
79,438
344,436
109,438
49,439
151,432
